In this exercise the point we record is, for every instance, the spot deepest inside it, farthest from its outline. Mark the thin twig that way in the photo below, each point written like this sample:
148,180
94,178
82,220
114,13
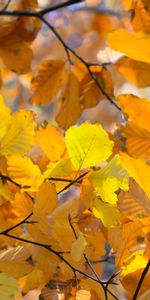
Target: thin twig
68,49
141,280
6,5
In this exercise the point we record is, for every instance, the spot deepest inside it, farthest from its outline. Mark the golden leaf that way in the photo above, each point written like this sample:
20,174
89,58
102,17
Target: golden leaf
139,44
137,140
78,247
70,107
135,71
8,287
138,170
51,142
135,109
24,171
46,84
46,199
20,134
4,117
13,261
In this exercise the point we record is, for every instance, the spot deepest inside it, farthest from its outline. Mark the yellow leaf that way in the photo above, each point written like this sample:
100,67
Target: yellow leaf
139,44
51,142
5,193
61,169
4,117
8,287
78,247
88,145
109,179
49,80
135,71
46,199
108,214
135,109
138,170
71,109
24,171
139,262
20,134
13,261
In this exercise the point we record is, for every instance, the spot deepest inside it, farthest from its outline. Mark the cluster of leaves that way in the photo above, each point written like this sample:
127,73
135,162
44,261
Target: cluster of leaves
75,198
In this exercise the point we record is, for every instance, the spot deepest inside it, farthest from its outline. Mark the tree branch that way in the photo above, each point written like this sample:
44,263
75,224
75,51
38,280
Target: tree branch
141,280
68,49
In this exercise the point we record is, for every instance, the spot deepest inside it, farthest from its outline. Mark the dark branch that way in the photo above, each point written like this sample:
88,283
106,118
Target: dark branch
141,281
68,49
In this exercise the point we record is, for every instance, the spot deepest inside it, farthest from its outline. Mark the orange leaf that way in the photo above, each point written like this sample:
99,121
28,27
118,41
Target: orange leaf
51,142
46,84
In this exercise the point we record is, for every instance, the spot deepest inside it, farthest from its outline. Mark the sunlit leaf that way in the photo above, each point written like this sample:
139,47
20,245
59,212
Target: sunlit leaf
135,107
107,213
46,199
51,142
88,145
13,261
139,44
109,179
78,247
135,71
4,117
24,171
138,170
20,134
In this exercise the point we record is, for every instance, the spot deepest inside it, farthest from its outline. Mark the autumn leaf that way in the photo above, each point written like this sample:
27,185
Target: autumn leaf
4,117
20,134
8,286
78,247
16,54
135,107
129,239
139,44
137,140
13,261
44,89
84,142
46,199
45,137
109,179
107,213
24,171
70,106
134,203
134,71
134,167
